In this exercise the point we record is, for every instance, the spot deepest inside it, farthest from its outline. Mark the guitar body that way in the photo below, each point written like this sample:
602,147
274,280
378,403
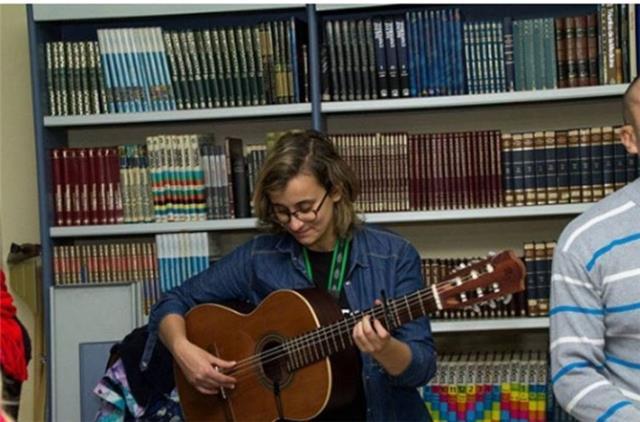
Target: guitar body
231,335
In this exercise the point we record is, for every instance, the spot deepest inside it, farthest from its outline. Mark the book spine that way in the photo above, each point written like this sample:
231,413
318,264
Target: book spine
592,49
562,165
597,179
585,165
401,43
539,154
561,53
551,168
381,59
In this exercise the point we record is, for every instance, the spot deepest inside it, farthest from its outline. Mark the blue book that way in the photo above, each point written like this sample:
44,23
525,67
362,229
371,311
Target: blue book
401,49
381,58
551,170
575,170
412,53
434,56
507,38
422,54
585,165
562,166
468,58
293,45
597,177
459,56
540,168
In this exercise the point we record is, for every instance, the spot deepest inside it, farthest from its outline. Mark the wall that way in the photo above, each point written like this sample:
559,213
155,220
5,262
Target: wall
18,190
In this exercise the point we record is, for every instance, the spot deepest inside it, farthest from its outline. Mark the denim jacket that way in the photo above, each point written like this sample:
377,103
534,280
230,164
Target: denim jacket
379,260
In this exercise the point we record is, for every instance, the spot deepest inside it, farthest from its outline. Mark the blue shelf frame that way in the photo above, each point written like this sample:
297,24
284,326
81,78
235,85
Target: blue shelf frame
54,137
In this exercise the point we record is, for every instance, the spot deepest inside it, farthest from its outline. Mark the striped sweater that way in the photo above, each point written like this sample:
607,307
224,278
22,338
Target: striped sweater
595,311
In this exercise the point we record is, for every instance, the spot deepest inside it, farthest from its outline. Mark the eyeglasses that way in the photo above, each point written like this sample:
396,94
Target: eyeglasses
282,215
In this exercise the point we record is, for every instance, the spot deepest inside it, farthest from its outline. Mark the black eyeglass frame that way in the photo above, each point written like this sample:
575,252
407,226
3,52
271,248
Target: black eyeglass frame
290,214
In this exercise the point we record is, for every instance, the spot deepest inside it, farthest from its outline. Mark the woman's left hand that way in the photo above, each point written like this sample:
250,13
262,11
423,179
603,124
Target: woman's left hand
370,335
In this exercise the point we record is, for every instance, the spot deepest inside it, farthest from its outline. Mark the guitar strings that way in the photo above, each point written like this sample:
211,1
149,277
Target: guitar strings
326,333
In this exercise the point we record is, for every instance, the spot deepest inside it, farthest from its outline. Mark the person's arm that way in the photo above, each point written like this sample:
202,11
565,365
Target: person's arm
409,355
227,279
577,344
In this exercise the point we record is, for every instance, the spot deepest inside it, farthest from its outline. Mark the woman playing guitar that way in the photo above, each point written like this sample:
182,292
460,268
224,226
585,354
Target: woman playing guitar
305,198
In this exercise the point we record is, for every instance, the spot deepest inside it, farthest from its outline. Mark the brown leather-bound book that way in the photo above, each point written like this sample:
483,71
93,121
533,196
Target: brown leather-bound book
426,172
413,170
481,170
507,171
518,169
561,53
570,45
470,168
461,142
582,53
592,49
57,188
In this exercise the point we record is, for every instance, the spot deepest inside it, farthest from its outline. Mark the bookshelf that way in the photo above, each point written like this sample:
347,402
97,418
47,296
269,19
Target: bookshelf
507,111
378,218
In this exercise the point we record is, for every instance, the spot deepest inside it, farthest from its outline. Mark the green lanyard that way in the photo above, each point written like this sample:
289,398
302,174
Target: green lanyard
338,267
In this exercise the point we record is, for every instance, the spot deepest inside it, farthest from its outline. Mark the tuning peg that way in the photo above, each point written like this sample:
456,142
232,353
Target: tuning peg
491,253
492,304
462,266
507,299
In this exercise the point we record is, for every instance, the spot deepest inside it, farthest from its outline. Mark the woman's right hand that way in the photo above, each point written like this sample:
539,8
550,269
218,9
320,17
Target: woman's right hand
203,370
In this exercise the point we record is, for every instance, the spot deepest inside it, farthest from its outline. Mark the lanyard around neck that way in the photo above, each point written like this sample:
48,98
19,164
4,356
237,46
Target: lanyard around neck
335,278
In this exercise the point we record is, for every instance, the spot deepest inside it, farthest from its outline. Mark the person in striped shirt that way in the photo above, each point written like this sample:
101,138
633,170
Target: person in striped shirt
595,300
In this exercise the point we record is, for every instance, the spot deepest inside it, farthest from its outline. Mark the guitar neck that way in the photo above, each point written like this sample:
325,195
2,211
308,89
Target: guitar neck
333,338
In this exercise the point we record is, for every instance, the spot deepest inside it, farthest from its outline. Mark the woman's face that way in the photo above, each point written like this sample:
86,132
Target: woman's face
303,195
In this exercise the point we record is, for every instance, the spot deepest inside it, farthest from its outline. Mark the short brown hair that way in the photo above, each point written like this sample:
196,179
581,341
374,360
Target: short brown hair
313,153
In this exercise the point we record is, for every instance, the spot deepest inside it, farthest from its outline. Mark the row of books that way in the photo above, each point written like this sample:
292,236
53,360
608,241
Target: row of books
597,48
107,263
159,265
148,69
170,178
532,302
564,166
492,386
190,178
436,52
181,256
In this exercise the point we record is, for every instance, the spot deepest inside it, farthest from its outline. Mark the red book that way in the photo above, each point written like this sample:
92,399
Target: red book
58,188
83,183
114,173
102,186
66,187
92,181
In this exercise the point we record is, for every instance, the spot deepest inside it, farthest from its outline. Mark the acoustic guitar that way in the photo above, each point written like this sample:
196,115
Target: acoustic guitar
295,354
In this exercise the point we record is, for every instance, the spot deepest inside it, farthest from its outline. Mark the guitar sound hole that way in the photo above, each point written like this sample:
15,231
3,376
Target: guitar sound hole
273,362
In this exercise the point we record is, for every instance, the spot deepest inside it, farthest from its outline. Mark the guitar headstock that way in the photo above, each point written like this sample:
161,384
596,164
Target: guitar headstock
485,280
